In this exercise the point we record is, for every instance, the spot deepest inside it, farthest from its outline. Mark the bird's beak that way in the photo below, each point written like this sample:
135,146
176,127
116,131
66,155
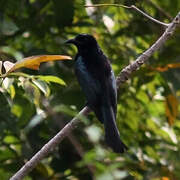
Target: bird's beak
71,41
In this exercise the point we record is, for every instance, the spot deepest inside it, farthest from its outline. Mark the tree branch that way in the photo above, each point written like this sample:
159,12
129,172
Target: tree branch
78,147
121,78
160,9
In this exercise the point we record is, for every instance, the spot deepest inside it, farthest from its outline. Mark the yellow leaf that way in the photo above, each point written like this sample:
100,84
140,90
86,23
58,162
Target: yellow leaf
165,178
12,91
33,62
166,67
171,108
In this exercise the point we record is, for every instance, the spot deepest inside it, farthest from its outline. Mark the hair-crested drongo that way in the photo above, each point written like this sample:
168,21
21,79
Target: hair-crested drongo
97,80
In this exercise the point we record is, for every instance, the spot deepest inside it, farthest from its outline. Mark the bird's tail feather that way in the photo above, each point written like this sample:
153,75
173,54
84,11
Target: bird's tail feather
112,136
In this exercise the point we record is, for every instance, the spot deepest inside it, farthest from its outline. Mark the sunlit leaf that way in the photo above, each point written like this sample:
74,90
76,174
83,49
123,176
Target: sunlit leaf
17,110
52,79
33,62
171,104
11,139
7,82
165,178
171,134
12,91
42,86
8,65
0,67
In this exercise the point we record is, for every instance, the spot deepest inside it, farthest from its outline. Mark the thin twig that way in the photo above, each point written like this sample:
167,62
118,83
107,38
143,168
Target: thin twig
122,77
160,10
148,16
101,5
130,7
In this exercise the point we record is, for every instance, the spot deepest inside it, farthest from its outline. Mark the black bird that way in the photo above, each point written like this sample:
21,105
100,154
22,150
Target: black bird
97,80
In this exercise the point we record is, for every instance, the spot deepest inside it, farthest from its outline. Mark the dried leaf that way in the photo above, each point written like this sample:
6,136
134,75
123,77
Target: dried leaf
33,62
171,108
167,67
165,178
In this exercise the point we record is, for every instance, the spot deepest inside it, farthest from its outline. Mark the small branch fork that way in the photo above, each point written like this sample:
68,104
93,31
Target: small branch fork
130,7
121,78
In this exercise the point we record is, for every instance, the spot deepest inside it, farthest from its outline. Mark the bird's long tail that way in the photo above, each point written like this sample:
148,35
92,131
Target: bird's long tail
112,136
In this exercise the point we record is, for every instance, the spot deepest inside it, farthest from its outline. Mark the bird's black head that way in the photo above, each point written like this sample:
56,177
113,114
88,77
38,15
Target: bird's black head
84,42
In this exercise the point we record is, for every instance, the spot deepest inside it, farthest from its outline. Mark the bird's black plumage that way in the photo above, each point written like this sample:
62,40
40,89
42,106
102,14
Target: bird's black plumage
98,83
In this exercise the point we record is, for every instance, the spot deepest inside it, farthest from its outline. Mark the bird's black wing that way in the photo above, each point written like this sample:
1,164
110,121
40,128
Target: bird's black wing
112,91
90,86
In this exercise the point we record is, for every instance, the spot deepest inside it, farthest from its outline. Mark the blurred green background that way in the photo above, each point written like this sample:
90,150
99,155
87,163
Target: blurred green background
32,110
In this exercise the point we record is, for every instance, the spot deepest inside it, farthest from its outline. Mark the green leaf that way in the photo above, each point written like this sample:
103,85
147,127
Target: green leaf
22,108
17,110
10,139
54,79
12,91
6,154
8,27
42,86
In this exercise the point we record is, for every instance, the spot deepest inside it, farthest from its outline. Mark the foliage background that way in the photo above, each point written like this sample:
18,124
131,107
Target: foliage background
32,111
